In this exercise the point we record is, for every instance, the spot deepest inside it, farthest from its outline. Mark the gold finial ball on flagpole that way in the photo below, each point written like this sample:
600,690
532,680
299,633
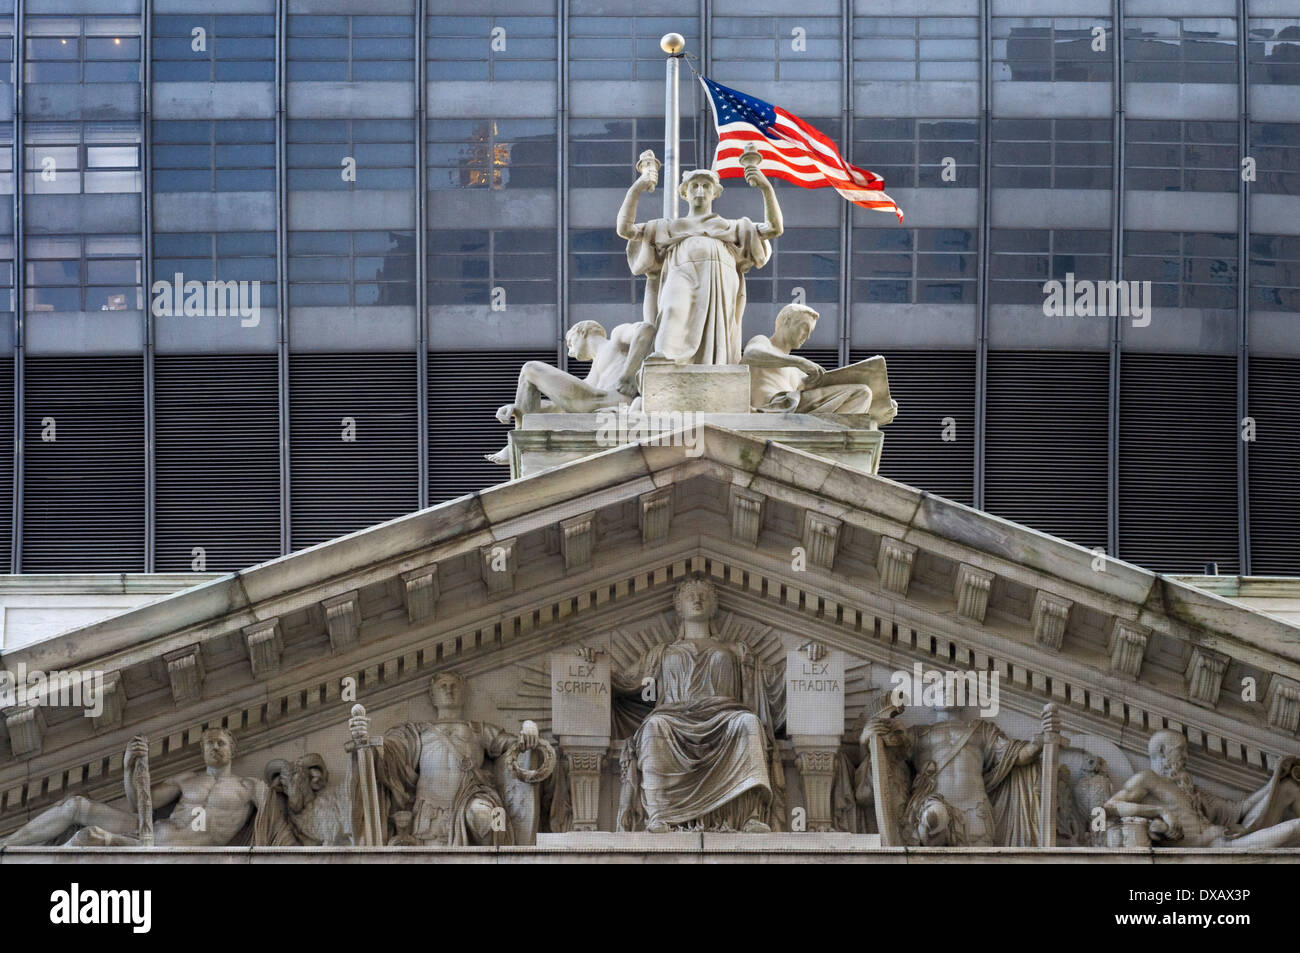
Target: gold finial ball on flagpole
672,43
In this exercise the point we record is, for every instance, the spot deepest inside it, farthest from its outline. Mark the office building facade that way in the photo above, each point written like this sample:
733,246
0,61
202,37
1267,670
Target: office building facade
424,194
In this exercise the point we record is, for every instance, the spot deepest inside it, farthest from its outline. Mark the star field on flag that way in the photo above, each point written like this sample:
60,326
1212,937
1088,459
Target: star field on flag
791,149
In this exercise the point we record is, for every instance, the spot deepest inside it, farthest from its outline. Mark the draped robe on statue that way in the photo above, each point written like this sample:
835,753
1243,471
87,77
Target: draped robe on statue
700,759
1006,815
397,770
699,294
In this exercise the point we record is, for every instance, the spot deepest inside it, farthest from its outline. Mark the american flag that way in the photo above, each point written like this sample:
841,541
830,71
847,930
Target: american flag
791,149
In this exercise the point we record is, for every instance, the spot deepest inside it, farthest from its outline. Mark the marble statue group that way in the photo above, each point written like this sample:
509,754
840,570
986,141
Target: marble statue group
692,313
700,752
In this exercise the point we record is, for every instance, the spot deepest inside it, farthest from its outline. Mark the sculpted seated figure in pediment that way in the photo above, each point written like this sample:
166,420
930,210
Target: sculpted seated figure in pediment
1179,814
700,758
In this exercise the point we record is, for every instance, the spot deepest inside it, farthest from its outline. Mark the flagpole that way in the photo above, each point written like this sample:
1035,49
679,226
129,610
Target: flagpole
672,44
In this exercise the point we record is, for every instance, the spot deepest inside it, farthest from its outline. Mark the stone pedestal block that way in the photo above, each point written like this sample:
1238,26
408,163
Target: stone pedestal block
702,388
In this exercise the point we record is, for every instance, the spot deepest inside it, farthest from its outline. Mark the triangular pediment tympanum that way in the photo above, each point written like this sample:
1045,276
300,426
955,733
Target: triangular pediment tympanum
798,548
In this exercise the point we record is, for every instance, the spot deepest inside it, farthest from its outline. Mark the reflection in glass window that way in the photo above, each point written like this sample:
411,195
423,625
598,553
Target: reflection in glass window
384,151
627,47
234,49
1171,155
81,157
1052,49
82,49
492,154
916,48
911,152
351,48
491,48
603,152
1186,269
1051,153
220,256
465,265
1273,52
914,265
1022,259
351,269
802,258
6,274
84,273
775,48
1275,146
1275,272
1180,50
6,164
230,155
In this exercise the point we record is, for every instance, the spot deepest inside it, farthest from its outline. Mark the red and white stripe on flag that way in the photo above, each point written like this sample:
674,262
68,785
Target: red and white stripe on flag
801,155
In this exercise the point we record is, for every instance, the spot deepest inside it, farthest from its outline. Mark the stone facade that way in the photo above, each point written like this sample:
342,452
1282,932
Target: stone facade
540,595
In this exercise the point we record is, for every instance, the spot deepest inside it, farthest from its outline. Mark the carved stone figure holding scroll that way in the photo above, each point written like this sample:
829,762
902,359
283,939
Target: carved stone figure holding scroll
442,773
695,269
960,782
1183,815
543,387
699,758
209,808
783,382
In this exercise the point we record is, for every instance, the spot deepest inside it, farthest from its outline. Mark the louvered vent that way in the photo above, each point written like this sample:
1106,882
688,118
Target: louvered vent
1178,462
6,462
827,357
217,482
930,387
1045,448
1275,467
465,390
84,493
340,485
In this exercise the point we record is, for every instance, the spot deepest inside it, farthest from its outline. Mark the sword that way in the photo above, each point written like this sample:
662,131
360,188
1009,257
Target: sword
882,783
143,789
1051,760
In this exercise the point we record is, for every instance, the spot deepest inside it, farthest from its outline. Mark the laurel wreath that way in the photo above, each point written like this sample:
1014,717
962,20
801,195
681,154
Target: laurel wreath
531,775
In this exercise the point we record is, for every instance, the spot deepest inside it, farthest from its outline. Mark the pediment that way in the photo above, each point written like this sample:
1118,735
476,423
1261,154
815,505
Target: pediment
798,548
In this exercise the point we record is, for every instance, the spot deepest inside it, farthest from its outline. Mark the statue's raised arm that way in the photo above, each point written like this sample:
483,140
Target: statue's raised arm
648,166
774,224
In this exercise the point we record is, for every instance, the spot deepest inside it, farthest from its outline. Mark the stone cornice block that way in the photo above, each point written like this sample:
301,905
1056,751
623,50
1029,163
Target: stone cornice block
343,620
114,702
971,587
265,647
1283,704
1051,615
420,591
1204,675
894,561
1127,646
26,725
185,673
656,514
578,541
821,536
498,562
746,515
